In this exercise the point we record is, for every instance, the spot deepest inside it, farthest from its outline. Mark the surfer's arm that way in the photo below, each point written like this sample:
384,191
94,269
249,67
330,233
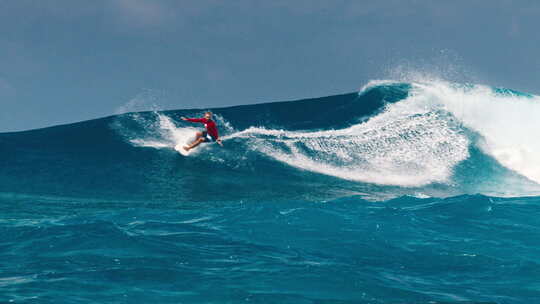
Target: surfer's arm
201,120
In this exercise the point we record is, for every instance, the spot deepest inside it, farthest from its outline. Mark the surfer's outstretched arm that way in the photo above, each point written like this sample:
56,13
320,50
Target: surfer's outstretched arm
201,120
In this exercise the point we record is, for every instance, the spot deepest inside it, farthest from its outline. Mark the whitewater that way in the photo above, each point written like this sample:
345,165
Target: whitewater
403,192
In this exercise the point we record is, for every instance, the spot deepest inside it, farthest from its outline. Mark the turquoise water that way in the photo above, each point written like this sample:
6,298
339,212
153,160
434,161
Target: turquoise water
401,193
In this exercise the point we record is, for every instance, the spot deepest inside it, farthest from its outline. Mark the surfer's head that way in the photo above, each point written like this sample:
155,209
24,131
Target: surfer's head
208,115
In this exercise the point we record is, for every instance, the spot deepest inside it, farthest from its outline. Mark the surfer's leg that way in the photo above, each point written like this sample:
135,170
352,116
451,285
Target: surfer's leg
197,142
198,135
199,138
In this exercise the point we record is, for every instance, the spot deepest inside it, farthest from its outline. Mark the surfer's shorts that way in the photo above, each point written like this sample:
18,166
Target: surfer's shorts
207,137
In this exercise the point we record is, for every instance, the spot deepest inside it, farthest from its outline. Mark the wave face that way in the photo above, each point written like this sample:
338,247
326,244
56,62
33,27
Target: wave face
418,192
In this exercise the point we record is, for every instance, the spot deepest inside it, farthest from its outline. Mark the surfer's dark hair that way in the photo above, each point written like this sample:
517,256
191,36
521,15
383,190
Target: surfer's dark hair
209,112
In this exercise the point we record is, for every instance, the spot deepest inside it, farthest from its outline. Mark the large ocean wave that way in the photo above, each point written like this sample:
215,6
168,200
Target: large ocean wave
429,138
432,137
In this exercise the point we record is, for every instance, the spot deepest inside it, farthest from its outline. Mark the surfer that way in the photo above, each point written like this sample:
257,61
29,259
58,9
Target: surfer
208,135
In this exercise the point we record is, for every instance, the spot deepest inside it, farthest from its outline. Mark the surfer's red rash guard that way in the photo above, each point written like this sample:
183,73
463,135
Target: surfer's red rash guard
209,124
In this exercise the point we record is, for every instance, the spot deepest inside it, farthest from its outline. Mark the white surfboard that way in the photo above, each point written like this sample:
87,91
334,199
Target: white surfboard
181,150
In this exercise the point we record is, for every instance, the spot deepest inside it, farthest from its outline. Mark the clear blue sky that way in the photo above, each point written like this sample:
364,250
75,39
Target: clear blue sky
69,60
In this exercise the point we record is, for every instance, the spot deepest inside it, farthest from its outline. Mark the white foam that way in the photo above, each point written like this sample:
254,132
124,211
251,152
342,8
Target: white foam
159,132
508,124
149,143
406,145
417,141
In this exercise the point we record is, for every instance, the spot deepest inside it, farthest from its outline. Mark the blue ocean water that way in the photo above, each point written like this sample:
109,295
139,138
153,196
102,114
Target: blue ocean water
420,192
